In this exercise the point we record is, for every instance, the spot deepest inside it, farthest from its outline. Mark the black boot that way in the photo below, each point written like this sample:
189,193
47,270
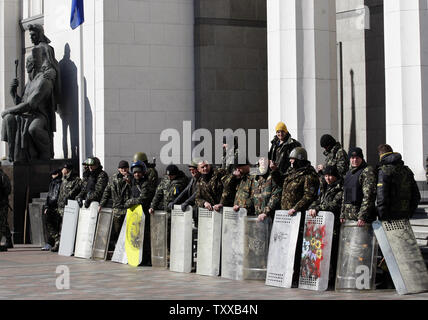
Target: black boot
55,248
9,243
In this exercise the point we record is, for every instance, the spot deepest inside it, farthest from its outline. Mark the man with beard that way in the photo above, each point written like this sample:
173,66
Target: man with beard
95,185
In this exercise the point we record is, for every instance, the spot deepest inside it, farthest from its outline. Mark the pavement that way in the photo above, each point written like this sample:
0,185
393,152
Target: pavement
30,274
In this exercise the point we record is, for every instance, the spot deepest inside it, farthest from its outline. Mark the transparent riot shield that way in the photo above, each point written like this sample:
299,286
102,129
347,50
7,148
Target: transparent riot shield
356,264
256,247
402,255
102,234
159,239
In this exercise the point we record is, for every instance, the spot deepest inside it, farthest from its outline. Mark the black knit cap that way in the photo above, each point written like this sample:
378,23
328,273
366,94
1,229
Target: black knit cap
331,171
172,170
68,166
327,141
123,164
355,152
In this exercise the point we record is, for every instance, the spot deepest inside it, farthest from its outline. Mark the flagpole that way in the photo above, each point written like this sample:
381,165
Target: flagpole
82,118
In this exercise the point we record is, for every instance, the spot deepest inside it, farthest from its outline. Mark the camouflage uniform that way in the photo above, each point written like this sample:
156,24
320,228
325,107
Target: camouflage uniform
241,190
330,198
119,191
152,177
94,186
210,187
363,208
5,190
51,218
168,190
398,194
265,195
300,188
279,153
338,158
70,188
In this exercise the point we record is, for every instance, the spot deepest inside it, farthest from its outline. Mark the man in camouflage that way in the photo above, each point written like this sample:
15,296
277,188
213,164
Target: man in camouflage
398,194
335,155
70,187
152,174
142,194
170,187
118,190
359,190
210,186
94,186
5,190
239,187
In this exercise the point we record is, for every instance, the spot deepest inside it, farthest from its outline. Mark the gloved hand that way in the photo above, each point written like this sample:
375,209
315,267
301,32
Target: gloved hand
184,206
79,202
171,205
87,203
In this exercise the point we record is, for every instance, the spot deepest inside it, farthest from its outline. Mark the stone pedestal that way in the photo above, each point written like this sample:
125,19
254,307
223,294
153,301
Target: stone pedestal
209,242
69,227
232,243
28,181
282,248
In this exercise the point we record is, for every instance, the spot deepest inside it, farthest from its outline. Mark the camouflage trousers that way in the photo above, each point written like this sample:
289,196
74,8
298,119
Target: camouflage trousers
53,223
4,225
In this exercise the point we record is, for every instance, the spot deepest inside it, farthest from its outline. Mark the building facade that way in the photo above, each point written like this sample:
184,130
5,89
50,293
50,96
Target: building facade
354,69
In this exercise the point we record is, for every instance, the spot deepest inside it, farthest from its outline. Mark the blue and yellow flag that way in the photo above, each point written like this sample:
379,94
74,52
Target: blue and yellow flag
77,14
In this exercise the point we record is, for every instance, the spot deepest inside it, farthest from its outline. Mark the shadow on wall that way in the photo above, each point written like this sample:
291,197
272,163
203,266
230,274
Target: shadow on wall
69,109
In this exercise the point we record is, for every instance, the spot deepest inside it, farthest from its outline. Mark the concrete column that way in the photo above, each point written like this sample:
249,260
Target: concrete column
302,77
10,45
406,77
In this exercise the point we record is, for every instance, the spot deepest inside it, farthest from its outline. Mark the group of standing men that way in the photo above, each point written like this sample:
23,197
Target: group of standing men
344,185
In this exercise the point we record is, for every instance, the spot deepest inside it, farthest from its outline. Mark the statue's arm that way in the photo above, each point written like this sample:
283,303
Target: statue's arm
14,91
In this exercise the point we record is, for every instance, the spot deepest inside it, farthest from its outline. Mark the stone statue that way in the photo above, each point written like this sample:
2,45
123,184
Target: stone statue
28,127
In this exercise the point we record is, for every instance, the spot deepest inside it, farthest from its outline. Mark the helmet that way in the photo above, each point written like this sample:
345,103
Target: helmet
139,164
140,156
299,153
87,162
97,161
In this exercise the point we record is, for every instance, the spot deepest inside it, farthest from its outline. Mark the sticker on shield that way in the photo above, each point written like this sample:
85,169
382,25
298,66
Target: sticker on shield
135,219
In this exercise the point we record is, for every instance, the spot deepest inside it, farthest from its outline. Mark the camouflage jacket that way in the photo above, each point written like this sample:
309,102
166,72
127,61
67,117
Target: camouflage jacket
337,157
241,188
398,194
168,190
330,198
70,188
300,188
210,187
141,193
365,211
152,177
279,153
231,184
100,180
119,191
265,195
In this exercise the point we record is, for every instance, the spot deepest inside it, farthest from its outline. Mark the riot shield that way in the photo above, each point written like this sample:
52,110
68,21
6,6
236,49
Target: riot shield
135,220
102,234
37,223
232,243
181,239
86,231
159,238
282,249
402,255
356,262
209,242
68,229
256,247
316,250
119,254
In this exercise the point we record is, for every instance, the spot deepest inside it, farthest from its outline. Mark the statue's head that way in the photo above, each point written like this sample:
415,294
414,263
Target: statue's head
37,34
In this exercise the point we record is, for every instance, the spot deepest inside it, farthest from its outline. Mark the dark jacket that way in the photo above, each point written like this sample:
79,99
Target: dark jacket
5,189
141,192
398,194
70,187
330,198
94,188
53,193
119,191
188,195
168,190
279,153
